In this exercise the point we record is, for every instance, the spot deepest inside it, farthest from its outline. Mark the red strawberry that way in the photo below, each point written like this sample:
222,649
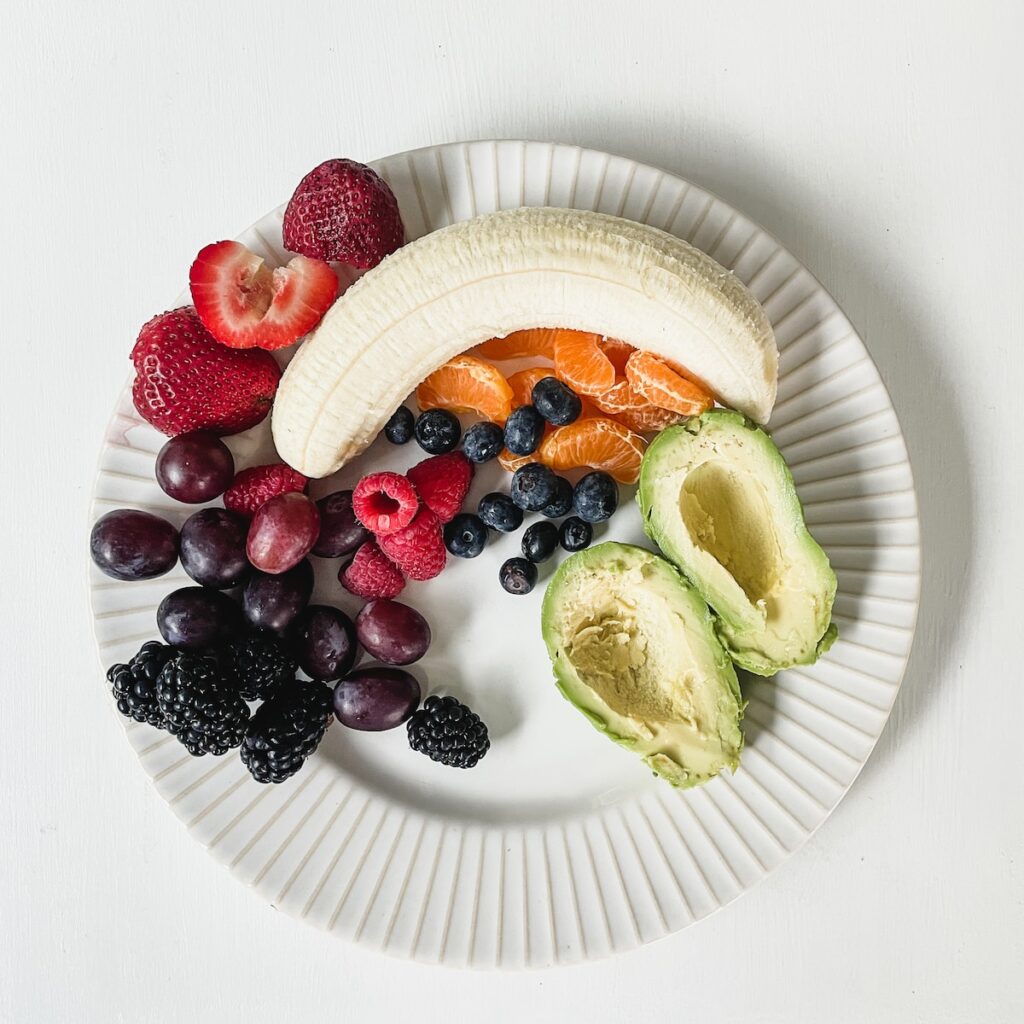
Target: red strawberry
372,574
245,304
258,484
442,482
419,549
185,380
384,502
343,211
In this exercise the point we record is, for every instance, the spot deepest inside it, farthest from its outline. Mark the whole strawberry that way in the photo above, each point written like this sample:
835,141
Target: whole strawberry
343,211
256,485
184,380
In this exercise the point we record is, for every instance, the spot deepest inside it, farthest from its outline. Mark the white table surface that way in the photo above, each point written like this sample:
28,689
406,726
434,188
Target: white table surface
881,142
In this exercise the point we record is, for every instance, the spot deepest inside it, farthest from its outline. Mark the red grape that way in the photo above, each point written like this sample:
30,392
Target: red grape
375,699
195,467
283,531
132,545
196,619
271,602
213,548
324,642
392,632
340,531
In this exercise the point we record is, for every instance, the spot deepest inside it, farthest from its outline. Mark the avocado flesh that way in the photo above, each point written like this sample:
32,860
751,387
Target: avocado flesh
718,499
633,647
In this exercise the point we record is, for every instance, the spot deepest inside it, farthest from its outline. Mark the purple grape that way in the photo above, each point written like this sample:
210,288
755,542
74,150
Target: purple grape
392,632
132,545
282,532
375,699
213,548
197,619
324,642
195,467
340,531
272,602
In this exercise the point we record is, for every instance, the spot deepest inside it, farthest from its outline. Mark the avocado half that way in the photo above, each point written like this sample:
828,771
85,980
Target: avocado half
633,646
718,499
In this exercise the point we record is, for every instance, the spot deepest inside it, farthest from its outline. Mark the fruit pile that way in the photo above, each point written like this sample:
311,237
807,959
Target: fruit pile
227,674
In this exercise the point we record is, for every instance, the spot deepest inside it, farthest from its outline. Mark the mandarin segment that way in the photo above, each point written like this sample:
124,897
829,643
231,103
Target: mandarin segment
599,443
617,352
467,384
652,378
580,362
625,405
522,383
537,341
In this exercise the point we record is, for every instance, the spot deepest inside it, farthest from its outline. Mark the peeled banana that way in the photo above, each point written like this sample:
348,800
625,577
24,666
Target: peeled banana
504,272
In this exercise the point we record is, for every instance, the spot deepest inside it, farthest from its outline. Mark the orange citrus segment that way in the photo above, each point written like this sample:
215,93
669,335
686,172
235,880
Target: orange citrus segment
580,362
467,384
599,443
537,341
511,463
625,405
617,352
522,383
652,378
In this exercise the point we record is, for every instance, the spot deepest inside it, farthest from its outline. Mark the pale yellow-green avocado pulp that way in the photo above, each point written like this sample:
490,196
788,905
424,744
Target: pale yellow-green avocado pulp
718,499
633,647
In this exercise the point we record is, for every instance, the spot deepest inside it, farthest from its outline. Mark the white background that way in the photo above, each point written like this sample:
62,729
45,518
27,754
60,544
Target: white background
881,142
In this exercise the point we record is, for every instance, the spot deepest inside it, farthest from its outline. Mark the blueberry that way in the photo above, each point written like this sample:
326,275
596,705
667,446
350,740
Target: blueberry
398,429
596,497
540,541
561,504
465,536
533,487
557,403
437,431
499,512
518,576
575,534
483,442
523,430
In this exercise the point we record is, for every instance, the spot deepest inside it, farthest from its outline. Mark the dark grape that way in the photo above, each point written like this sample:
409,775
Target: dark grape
375,699
272,602
132,545
283,531
213,548
195,467
324,641
340,531
197,619
392,632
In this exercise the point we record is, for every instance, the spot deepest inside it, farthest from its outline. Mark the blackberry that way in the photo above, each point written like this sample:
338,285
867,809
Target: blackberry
199,706
556,402
483,441
255,666
447,731
134,685
398,429
286,730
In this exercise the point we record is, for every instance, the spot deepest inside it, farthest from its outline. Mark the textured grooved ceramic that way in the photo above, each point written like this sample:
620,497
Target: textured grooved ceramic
559,847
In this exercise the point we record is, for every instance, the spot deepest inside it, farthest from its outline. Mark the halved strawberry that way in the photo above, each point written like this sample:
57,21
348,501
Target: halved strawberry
243,303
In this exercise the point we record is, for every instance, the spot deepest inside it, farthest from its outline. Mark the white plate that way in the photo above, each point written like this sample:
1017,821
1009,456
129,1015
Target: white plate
560,846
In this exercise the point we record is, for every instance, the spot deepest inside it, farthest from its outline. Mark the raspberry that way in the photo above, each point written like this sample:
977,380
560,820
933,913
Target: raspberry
384,502
256,485
372,574
442,483
418,550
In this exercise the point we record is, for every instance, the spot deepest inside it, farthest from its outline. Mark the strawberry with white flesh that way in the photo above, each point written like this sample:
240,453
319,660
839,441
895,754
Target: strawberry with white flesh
244,303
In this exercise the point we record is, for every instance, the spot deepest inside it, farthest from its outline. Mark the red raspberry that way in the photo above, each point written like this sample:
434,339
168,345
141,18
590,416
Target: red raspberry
371,574
256,485
442,482
418,550
384,502
343,211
